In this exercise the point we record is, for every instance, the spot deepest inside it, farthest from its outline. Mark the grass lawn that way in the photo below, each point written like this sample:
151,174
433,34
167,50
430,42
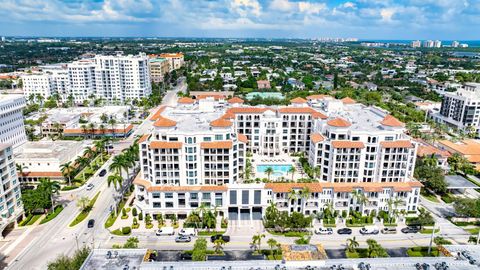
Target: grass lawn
429,196
30,220
290,234
358,253
422,252
210,233
91,169
111,219
473,230
429,231
447,198
53,214
83,214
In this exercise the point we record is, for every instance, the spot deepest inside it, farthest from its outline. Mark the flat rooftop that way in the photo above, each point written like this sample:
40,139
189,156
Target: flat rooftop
192,120
98,259
458,182
64,151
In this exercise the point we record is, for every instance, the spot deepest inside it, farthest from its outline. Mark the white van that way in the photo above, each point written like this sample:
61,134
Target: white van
187,232
370,229
165,231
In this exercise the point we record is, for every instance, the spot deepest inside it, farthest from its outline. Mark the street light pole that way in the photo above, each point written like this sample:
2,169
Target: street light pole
431,240
478,236
76,240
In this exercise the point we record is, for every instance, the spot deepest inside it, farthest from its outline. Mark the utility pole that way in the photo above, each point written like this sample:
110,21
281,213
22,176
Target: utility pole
431,240
76,240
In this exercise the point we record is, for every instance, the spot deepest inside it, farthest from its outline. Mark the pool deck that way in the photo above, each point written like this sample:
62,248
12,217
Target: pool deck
283,159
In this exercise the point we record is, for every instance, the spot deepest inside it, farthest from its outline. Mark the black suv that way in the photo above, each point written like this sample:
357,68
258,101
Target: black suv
225,238
102,173
91,223
410,229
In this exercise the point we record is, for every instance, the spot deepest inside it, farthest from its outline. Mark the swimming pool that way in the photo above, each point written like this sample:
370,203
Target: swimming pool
278,169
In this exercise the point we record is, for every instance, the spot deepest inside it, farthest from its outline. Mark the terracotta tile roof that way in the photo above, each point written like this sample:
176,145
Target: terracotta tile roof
228,116
165,145
298,100
164,122
142,182
171,55
158,113
339,122
144,138
186,100
216,145
242,138
397,144
428,150
465,147
41,174
212,95
302,110
347,144
348,100
235,100
316,137
343,187
391,122
221,123
312,97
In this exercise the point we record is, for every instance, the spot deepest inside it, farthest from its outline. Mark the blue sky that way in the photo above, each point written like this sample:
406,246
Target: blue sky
367,19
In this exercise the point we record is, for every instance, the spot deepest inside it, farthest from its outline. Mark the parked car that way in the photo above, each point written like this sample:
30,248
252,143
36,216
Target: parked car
188,232
102,173
371,229
389,230
90,186
183,239
410,229
225,238
91,223
165,231
344,231
322,230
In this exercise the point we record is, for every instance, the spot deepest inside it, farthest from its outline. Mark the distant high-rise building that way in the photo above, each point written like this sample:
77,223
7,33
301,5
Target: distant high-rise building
437,44
3,39
416,44
117,77
455,44
427,44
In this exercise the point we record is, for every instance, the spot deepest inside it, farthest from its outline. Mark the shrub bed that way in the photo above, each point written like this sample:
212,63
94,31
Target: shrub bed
53,214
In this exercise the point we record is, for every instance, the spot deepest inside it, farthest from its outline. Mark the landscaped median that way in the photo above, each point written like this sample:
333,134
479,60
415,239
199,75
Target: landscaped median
86,207
53,214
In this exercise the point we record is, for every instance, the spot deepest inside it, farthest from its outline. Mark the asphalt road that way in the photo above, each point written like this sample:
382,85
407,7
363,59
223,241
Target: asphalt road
56,237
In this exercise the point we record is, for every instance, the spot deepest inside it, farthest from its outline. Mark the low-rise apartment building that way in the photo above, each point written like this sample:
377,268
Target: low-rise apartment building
196,154
175,60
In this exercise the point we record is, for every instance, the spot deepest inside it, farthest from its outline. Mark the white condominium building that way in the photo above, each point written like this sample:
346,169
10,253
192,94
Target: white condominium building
360,144
122,77
12,128
196,154
116,77
461,109
10,196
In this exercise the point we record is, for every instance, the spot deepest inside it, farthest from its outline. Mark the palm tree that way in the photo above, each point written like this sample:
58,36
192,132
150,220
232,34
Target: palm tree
247,172
100,148
112,123
84,129
82,163
269,171
218,245
102,128
115,180
67,170
292,171
316,172
352,244
117,165
89,152
304,195
431,160
52,187
272,243
21,168
257,241
91,127
83,202
360,198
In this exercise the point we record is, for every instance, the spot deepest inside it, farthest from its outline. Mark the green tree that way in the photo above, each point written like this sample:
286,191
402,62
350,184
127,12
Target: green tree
218,245
67,169
375,250
132,242
83,203
292,171
272,243
352,244
50,188
268,172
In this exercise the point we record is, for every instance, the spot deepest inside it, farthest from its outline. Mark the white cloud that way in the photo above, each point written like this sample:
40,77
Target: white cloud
311,8
386,14
246,7
282,5
349,5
